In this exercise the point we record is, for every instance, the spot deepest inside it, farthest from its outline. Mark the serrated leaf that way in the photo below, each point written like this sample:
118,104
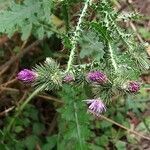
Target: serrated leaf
17,15
18,129
31,142
21,17
26,31
4,4
120,145
38,128
40,32
91,46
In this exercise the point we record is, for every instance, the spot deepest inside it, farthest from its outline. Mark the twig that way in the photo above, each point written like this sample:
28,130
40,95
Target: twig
3,86
9,82
9,89
51,98
38,146
3,70
6,111
125,128
14,71
136,32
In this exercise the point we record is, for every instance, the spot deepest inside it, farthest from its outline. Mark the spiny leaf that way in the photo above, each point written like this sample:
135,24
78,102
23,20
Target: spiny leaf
4,4
91,46
22,16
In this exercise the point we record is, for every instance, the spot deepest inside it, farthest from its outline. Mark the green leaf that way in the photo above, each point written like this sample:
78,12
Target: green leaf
95,147
142,126
120,145
145,32
18,129
26,31
119,118
47,5
31,141
74,123
3,147
105,124
102,140
51,143
21,17
4,4
41,32
38,128
91,46
17,15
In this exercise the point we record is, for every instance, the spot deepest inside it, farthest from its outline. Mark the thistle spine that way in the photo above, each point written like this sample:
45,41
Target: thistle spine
77,34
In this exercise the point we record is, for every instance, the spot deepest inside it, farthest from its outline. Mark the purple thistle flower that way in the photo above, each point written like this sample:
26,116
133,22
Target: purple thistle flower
96,106
68,78
97,77
27,75
133,86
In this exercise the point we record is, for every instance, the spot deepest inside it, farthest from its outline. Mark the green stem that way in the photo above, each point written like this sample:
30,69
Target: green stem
78,126
22,107
76,35
112,56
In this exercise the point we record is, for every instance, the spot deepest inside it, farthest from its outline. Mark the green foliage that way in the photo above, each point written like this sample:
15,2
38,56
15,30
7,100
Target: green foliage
74,124
144,32
29,121
26,17
121,145
91,46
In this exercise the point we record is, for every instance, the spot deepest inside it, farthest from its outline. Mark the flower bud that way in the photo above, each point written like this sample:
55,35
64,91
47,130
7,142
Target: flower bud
68,78
131,86
97,77
27,75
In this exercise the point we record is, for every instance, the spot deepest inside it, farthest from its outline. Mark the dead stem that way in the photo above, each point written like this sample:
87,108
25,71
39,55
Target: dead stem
123,127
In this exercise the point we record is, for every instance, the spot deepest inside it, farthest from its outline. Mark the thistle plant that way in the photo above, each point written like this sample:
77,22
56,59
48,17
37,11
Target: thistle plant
110,61
117,69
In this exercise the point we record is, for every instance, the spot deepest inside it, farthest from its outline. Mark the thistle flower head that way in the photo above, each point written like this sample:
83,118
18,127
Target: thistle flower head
96,106
133,86
68,78
97,77
27,75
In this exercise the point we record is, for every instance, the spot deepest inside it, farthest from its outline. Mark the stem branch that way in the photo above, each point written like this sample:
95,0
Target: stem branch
78,126
125,128
112,57
76,35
